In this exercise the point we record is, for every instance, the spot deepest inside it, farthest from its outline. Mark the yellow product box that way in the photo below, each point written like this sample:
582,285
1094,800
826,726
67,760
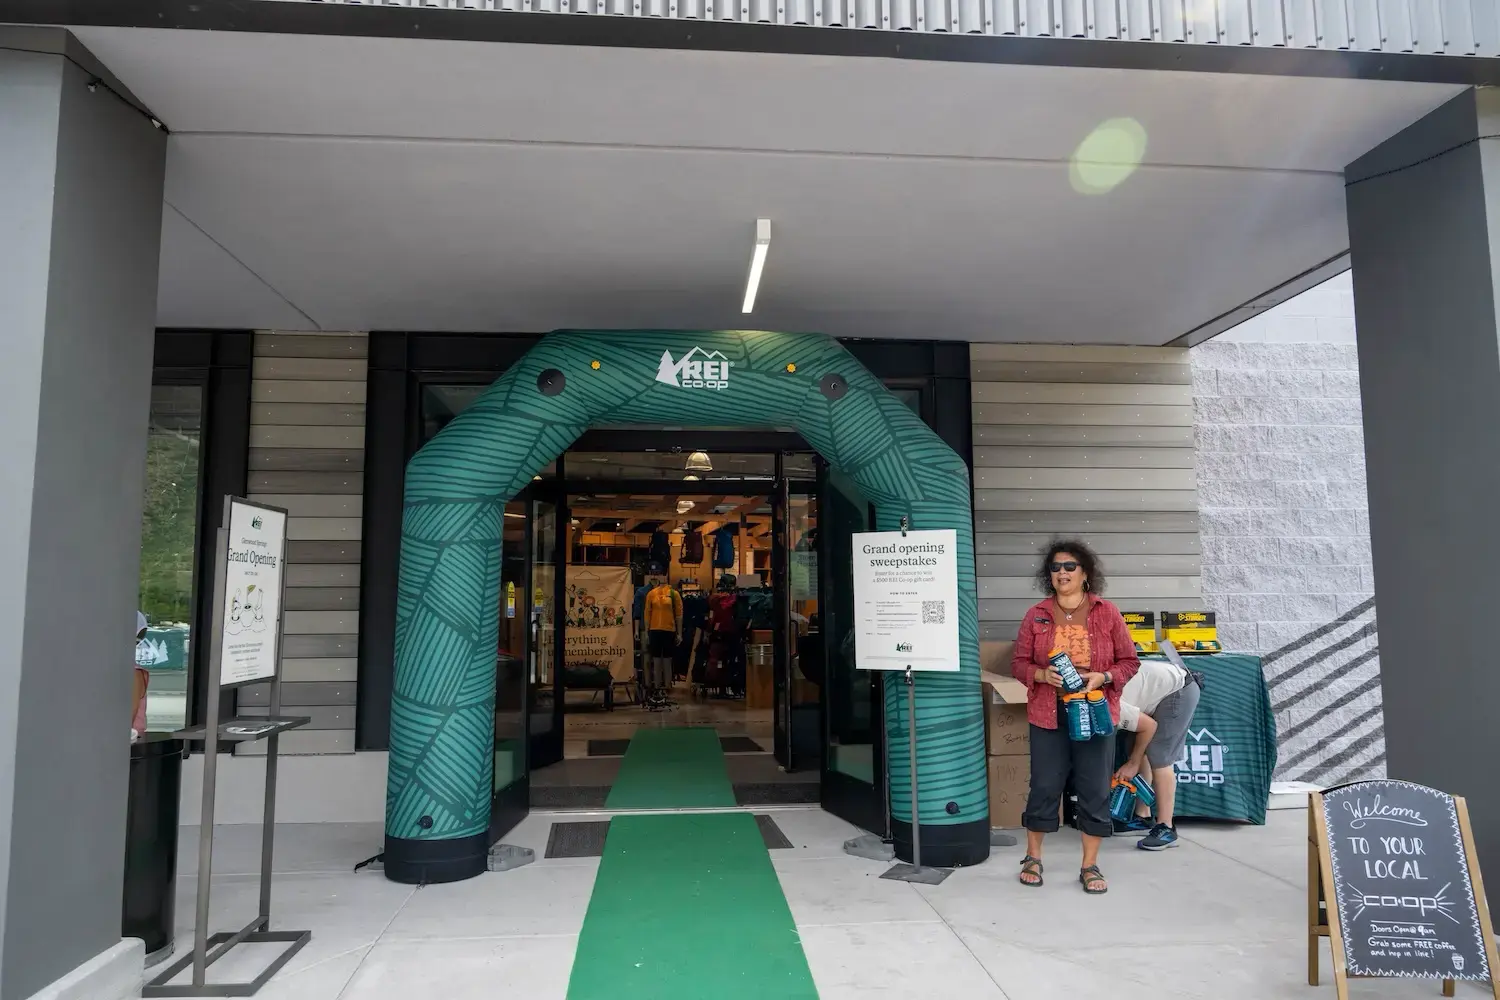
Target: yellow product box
1191,631
1142,625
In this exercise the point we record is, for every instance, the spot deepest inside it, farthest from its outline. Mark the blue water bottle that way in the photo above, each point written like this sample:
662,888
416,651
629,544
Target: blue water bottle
1122,801
1143,791
1080,719
1063,664
1103,723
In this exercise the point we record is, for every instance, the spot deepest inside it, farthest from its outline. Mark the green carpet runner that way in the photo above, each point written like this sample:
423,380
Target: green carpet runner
688,906
677,768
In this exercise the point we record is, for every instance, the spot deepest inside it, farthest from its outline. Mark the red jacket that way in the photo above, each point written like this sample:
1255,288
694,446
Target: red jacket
1110,649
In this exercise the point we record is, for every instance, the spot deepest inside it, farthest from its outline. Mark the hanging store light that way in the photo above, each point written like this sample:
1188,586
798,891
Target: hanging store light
699,461
683,506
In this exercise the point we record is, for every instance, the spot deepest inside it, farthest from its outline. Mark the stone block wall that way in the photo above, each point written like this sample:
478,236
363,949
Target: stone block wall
1285,525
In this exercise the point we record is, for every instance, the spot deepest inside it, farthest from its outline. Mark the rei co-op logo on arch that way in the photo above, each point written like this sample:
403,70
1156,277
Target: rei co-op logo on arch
697,369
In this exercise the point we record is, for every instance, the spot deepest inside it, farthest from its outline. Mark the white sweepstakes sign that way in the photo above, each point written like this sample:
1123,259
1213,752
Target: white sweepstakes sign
252,593
906,600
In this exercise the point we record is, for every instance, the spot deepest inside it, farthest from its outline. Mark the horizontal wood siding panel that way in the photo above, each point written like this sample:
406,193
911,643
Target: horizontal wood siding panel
307,440
313,504
307,482
1074,523
1052,456
322,716
1082,435
308,370
347,347
1103,414
1119,587
345,460
324,528
1085,479
282,436
1106,372
1081,393
300,693
308,414
1106,544
307,742
328,668
1072,354
307,573
290,391
1116,565
321,623
320,646
322,599
1074,500
1093,443
305,552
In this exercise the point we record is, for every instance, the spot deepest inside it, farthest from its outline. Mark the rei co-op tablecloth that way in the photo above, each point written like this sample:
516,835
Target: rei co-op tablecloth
1224,771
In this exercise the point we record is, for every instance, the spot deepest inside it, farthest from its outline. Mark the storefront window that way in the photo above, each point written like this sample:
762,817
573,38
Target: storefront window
168,530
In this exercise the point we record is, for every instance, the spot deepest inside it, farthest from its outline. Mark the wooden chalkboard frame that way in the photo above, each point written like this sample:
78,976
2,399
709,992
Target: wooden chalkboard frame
1322,920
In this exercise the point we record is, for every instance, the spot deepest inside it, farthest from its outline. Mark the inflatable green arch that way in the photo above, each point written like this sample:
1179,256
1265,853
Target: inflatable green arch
447,618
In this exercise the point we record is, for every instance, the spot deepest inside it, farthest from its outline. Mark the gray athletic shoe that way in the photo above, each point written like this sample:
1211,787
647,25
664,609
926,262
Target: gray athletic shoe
1160,838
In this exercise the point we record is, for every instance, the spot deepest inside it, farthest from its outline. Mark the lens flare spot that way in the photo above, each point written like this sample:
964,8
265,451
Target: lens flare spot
1107,156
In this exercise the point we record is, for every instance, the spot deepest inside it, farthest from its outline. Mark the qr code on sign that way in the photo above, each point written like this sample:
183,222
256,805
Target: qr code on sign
934,612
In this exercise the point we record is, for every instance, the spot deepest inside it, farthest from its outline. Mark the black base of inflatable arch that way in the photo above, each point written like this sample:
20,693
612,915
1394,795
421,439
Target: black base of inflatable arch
958,846
428,862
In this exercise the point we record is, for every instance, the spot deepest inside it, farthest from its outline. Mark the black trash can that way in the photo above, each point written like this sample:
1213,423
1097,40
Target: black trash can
151,843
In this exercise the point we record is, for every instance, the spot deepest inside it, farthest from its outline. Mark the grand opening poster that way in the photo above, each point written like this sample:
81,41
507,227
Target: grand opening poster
597,613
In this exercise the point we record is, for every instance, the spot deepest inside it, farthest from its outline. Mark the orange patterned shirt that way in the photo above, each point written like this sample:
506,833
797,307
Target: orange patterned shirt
1074,640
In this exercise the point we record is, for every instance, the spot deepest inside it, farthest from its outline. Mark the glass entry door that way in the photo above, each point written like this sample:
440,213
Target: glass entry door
853,773
799,674
512,789
544,661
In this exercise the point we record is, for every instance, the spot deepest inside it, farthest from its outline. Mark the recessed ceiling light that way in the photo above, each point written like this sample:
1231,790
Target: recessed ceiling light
757,262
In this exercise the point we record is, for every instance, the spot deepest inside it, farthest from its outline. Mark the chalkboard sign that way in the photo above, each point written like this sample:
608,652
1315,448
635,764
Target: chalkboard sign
1402,888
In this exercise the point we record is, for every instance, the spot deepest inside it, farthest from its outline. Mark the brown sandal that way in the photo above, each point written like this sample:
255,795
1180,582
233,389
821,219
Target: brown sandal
1093,879
1031,868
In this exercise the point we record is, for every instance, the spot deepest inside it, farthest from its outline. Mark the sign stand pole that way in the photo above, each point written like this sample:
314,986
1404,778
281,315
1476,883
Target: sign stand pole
209,948
914,872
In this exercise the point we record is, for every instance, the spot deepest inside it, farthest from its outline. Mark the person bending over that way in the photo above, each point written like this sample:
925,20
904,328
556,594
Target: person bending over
1076,619
1157,705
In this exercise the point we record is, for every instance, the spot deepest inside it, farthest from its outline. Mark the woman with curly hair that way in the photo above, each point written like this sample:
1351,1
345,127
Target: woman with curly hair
1073,618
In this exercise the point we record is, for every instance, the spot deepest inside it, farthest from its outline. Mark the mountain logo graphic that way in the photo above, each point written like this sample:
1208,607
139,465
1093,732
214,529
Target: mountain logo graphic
697,369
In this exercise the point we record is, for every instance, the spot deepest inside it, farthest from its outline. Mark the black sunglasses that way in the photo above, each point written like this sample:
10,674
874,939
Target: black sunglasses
1059,567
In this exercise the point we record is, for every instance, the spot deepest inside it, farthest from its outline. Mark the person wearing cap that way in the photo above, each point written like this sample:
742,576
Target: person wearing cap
142,681
1157,705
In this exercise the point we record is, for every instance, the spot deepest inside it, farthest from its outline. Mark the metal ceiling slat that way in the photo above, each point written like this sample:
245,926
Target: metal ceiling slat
1171,21
1301,25
1107,19
1333,25
1486,18
1203,22
1427,27
1235,23
1458,36
1070,19
971,17
1364,24
836,12
1398,29
1007,17
799,12
1268,23
902,15
1140,23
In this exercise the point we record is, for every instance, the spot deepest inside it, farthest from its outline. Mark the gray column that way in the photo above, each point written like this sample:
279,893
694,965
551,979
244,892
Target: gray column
1424,218
80,226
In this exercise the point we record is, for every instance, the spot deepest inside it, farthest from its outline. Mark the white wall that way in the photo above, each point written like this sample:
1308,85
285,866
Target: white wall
1285,523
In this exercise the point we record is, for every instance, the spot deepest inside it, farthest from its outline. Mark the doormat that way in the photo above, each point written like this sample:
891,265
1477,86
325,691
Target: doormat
743,744
581,840
610,748
776,793
769,832
568,796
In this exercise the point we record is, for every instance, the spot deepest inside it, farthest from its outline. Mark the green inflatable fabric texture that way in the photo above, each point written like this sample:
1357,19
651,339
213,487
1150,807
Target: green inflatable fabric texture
447,616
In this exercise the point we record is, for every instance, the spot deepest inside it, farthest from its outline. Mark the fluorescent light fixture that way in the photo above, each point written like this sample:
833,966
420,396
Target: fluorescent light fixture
757,262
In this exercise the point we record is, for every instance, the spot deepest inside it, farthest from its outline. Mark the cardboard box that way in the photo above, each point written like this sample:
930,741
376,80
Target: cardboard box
1191,631
1142,626
1010,781
1007,733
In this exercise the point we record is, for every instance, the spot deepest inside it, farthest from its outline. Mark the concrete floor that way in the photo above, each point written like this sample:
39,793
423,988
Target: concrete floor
1221,916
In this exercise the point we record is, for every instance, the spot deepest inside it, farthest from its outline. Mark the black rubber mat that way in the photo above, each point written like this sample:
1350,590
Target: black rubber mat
609,748
586,840
769,832
741,744
570,796
784,793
